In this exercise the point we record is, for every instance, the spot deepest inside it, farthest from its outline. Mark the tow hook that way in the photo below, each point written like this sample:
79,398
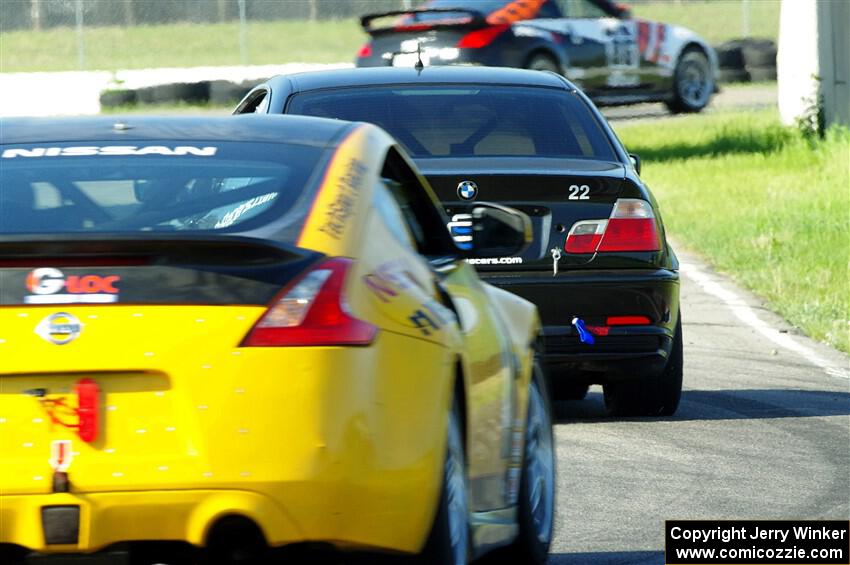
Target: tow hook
583,334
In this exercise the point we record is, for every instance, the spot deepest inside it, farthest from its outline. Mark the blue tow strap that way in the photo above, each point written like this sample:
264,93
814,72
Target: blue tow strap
583,335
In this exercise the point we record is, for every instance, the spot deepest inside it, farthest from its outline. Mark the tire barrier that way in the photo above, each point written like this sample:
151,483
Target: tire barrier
747,60
216,92
740,60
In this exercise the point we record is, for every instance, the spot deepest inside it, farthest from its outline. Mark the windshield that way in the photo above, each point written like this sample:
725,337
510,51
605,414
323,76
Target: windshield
465,121
151,186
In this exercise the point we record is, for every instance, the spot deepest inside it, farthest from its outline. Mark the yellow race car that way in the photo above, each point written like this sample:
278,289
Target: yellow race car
223,336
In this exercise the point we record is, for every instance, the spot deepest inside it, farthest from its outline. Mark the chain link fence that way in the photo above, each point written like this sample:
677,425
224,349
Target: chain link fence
52,35
45,14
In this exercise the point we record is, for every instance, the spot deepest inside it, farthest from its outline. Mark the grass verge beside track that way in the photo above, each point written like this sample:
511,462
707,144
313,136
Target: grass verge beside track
716,21
181,45
760,203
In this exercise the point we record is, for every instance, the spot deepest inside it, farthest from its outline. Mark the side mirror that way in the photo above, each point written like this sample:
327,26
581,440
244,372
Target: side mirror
498,231
635,162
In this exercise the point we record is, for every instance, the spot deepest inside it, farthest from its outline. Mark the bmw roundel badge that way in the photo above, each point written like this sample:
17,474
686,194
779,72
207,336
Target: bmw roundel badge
467,190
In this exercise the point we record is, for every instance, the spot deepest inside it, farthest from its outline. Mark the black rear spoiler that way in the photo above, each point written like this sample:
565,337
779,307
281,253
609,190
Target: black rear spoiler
161,268
147,248
475,19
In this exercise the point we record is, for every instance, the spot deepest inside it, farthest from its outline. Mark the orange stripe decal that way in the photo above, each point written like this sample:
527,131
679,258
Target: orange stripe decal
515,11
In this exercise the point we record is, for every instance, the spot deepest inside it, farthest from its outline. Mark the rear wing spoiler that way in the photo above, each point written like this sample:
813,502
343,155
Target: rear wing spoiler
468,18
146,248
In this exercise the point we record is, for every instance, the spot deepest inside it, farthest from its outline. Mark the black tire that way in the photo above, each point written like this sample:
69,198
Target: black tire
535,527
621,399
117,98
762,74
566,390
734,75
441,548
759,53
730,55
669,385
543,62
197,92
224,92
650,397
234,540
693,82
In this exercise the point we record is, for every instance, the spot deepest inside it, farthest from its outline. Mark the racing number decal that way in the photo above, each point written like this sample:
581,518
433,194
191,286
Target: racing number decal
623,51
579,192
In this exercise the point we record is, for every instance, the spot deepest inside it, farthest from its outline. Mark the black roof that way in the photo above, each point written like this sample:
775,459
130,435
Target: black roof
300,130
453,74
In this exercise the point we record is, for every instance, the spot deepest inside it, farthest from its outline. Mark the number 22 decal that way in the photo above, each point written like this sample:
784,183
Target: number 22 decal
579,192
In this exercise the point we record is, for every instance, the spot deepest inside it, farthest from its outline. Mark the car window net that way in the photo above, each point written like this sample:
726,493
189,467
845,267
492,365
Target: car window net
486,121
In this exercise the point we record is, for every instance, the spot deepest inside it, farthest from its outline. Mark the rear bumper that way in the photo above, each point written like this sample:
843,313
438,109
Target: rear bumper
109,518
102,520
308,443
626,351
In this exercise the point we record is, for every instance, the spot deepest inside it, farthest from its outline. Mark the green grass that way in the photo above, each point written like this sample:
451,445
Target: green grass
181,45
715,20
762,204
288,41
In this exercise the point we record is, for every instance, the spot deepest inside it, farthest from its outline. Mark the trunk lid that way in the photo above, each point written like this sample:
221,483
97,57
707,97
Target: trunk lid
147,321
555,193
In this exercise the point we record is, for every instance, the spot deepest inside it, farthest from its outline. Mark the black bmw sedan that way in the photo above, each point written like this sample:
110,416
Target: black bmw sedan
600,270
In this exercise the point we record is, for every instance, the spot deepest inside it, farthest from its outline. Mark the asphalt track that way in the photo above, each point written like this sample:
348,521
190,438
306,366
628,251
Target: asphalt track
763,432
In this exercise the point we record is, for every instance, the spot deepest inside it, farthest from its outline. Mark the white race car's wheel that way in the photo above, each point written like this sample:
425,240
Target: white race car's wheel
543,62
693,82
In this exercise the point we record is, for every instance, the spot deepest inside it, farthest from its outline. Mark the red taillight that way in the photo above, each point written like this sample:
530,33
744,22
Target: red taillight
627,321
366,50
413,27
631,227
638,234
584,237
312,311
88,410
482,37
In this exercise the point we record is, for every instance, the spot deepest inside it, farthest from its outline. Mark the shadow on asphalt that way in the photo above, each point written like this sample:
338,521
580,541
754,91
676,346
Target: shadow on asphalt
590,558
745,404
607,558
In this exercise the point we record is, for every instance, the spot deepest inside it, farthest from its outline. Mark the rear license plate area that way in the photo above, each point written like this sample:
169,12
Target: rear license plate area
61,524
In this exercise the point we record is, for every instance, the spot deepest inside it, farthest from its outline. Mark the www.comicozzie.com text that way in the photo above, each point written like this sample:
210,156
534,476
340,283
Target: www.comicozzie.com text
727,534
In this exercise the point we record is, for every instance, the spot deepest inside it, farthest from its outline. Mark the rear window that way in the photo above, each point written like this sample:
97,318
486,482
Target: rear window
461,121
152,186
